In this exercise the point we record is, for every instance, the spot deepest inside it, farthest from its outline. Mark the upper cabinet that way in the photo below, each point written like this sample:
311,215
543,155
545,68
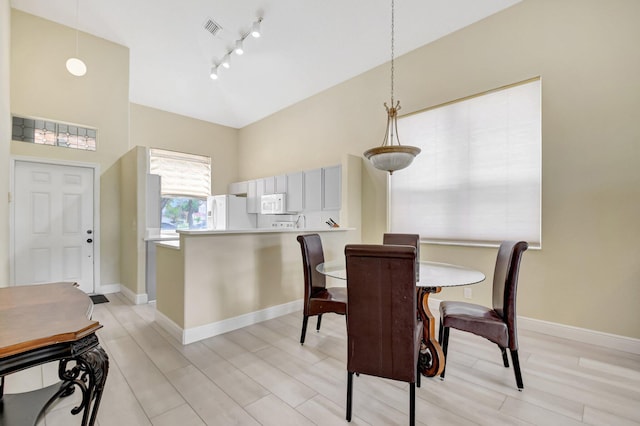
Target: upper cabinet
253,204
295,191
332,188
313,190
309,191
238,188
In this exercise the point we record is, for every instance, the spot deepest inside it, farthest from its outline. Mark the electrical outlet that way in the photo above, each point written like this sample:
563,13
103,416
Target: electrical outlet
467,293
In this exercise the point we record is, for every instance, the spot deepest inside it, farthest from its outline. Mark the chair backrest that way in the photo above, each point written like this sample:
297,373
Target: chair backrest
505,283
381,311
405,240
312,255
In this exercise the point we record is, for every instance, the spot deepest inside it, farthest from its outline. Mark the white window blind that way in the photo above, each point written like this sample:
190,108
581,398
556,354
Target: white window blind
478,178
182,174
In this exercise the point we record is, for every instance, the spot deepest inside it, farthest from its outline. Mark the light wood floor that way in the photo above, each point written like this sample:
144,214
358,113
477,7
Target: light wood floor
260,375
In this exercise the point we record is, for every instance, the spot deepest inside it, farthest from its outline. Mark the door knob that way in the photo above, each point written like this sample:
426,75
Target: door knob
89,240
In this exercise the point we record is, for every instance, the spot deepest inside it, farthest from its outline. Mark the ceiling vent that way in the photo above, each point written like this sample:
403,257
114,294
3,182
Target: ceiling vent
212,26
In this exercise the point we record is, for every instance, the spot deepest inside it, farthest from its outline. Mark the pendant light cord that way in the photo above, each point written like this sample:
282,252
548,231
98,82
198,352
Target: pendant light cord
77,22
392,46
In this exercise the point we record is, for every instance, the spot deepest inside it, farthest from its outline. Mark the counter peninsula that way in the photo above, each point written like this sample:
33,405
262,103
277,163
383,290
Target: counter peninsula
211,282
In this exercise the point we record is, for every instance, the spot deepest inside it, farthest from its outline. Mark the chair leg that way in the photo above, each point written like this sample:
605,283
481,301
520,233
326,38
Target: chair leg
318,323
516,369
418,377
445,344
349,392
305,319
412,404
505,358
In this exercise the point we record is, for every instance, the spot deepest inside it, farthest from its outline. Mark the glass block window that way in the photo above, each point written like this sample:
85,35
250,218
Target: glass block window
46,132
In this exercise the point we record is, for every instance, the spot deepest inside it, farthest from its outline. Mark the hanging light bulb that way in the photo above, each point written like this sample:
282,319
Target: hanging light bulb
75,65
392,156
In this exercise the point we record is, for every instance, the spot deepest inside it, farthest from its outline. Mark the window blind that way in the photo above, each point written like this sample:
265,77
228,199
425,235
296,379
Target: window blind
478,178
182,174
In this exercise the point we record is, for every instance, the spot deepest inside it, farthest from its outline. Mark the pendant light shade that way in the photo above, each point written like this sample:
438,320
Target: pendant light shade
76,67
392,156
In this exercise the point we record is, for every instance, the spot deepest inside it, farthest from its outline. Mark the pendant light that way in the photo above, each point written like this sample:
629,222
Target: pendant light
75,65
391,155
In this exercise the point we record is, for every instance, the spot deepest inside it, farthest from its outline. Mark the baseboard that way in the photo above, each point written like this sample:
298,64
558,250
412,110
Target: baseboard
169,326
583,335
190,335
108,289
136,299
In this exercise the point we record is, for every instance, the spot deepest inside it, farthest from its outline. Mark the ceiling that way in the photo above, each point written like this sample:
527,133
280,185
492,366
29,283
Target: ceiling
306,46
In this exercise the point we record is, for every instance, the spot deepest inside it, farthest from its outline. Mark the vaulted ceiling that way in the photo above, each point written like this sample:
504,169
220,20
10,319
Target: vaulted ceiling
306,46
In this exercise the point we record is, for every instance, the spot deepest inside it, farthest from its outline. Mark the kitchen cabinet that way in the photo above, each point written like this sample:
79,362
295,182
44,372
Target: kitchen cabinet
269,185
238,188
253,202
295,191
313,190
332,188
281,184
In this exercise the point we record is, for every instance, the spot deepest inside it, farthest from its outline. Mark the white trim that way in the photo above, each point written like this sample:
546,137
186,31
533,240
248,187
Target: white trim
96,210
201,332
583,335
173,329
136,299
108,289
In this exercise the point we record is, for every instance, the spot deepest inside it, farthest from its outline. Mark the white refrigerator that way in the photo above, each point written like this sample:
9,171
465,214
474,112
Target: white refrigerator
229,212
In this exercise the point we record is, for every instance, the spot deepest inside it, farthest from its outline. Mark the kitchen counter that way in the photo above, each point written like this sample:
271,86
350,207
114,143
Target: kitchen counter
212,282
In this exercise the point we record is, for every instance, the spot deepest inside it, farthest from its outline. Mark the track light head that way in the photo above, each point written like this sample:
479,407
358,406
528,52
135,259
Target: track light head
239,50
255,28
214,72
226,61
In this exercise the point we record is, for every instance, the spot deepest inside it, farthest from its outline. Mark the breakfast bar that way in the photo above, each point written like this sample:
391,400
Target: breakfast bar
211,282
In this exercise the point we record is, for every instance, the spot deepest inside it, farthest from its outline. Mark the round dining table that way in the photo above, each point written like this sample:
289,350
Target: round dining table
431,277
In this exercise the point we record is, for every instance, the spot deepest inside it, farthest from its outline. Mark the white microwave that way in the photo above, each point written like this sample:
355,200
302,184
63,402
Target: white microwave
273,204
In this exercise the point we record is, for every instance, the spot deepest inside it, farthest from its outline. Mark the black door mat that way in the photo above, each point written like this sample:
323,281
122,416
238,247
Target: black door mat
98,298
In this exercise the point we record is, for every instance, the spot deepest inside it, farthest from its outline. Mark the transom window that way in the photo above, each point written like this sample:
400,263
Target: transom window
48,132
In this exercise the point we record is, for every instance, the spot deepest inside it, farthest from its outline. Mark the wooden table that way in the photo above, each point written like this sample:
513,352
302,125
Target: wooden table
431,278
45,323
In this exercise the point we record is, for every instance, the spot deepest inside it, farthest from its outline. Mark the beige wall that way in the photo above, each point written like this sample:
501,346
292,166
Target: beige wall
5,137
131,260
586,52
160,129
42,87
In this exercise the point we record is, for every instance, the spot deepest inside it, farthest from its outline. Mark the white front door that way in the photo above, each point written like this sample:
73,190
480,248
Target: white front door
53,224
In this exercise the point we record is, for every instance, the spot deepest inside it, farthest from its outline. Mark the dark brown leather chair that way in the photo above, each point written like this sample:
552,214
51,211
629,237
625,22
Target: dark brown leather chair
498,324
318,299
405,240
383,332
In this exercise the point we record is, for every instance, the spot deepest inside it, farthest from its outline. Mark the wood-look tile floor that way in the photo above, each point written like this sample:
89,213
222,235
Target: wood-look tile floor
261,375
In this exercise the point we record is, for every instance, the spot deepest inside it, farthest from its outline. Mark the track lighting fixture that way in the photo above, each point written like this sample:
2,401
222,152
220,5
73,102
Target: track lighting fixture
238,46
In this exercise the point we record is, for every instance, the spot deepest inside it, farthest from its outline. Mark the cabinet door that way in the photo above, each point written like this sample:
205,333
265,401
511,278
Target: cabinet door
269,185
238,188
295,192
332,188
313,190
281,184
252,197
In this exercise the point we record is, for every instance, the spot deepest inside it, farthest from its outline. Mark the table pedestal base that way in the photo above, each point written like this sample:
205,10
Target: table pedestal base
431,361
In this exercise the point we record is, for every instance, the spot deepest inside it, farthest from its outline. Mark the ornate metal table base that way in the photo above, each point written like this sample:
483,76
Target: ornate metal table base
83,365
431,361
